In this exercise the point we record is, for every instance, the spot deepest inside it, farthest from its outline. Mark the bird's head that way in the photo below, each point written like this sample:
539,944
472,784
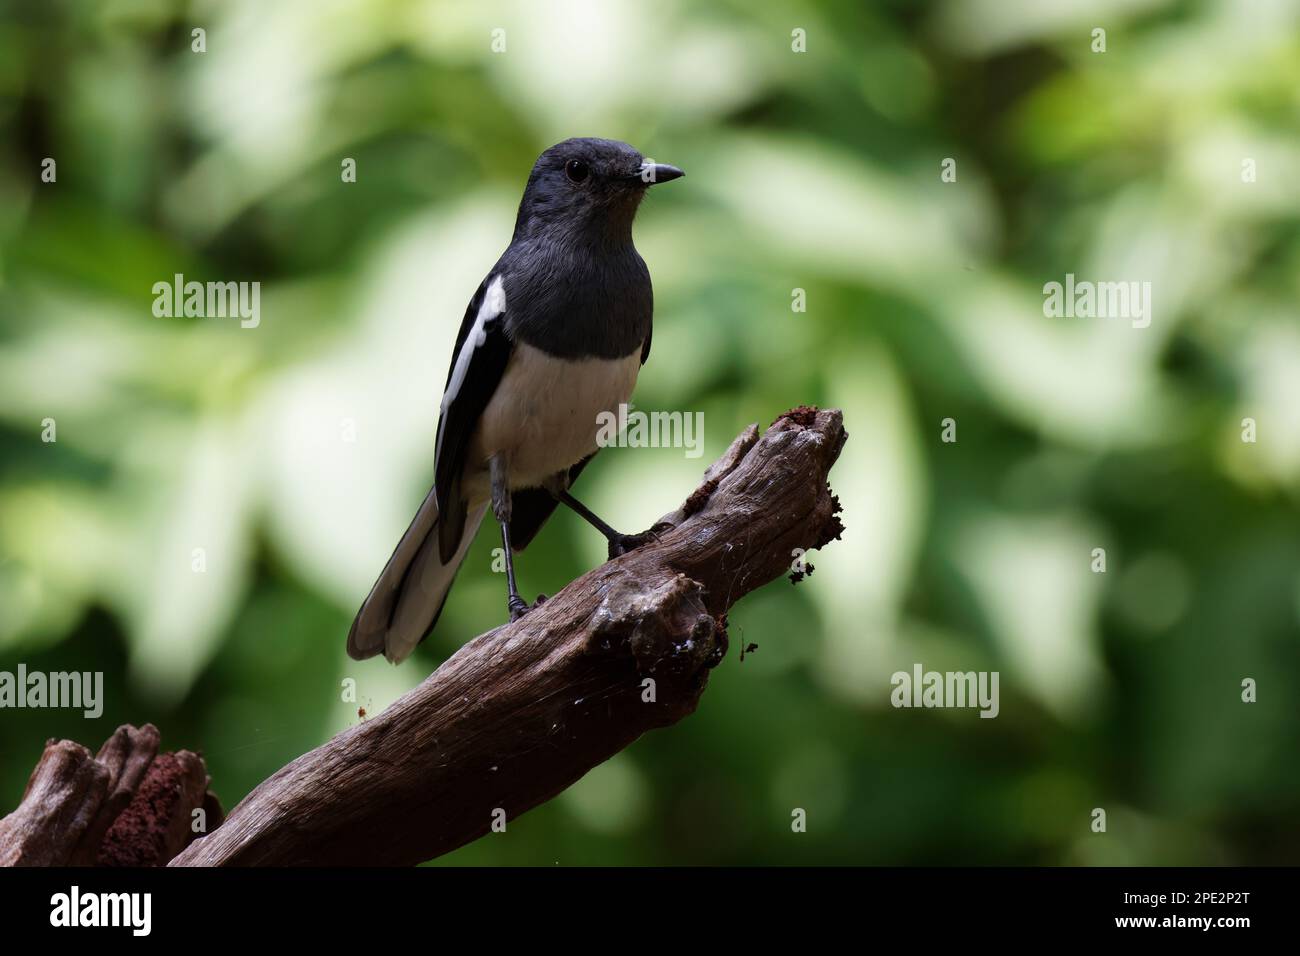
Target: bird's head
588,188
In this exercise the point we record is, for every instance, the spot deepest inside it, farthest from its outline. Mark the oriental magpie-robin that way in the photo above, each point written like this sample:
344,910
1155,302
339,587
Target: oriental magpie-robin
554,336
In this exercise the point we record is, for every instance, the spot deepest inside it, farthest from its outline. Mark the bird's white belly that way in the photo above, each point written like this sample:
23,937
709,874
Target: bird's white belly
544,416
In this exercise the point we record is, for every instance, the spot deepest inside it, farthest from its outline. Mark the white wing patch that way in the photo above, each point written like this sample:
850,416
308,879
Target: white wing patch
494,303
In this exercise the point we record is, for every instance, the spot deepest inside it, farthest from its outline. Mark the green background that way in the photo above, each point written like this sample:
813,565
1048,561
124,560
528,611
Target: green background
817,171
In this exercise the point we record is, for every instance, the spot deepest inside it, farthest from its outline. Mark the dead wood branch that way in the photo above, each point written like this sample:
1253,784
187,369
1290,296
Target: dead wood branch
521,712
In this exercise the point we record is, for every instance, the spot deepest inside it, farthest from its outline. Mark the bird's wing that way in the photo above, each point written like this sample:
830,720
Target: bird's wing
482,351
645,346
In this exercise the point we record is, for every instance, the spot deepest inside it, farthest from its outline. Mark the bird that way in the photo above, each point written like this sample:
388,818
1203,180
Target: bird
553,339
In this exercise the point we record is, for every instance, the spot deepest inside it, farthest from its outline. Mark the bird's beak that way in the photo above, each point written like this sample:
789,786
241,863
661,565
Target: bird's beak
652,173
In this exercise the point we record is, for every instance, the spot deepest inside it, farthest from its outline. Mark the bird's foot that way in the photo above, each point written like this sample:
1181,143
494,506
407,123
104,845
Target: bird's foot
624,543
519,607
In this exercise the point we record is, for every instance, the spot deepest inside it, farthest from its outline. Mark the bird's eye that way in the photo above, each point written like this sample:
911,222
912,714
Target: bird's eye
576,170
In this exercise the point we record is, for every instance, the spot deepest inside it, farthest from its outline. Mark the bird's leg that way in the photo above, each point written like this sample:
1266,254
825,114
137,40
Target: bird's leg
501,508
618,543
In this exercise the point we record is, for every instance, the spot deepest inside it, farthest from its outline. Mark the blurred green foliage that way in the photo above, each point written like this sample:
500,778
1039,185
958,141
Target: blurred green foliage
818,171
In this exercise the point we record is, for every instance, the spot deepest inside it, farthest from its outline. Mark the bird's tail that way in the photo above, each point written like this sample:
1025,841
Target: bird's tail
405,602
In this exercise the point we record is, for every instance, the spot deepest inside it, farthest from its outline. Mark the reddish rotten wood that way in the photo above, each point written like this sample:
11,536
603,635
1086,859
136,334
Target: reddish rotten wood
128,805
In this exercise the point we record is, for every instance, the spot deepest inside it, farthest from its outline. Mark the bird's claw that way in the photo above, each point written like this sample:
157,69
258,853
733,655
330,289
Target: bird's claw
518,608
630,542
